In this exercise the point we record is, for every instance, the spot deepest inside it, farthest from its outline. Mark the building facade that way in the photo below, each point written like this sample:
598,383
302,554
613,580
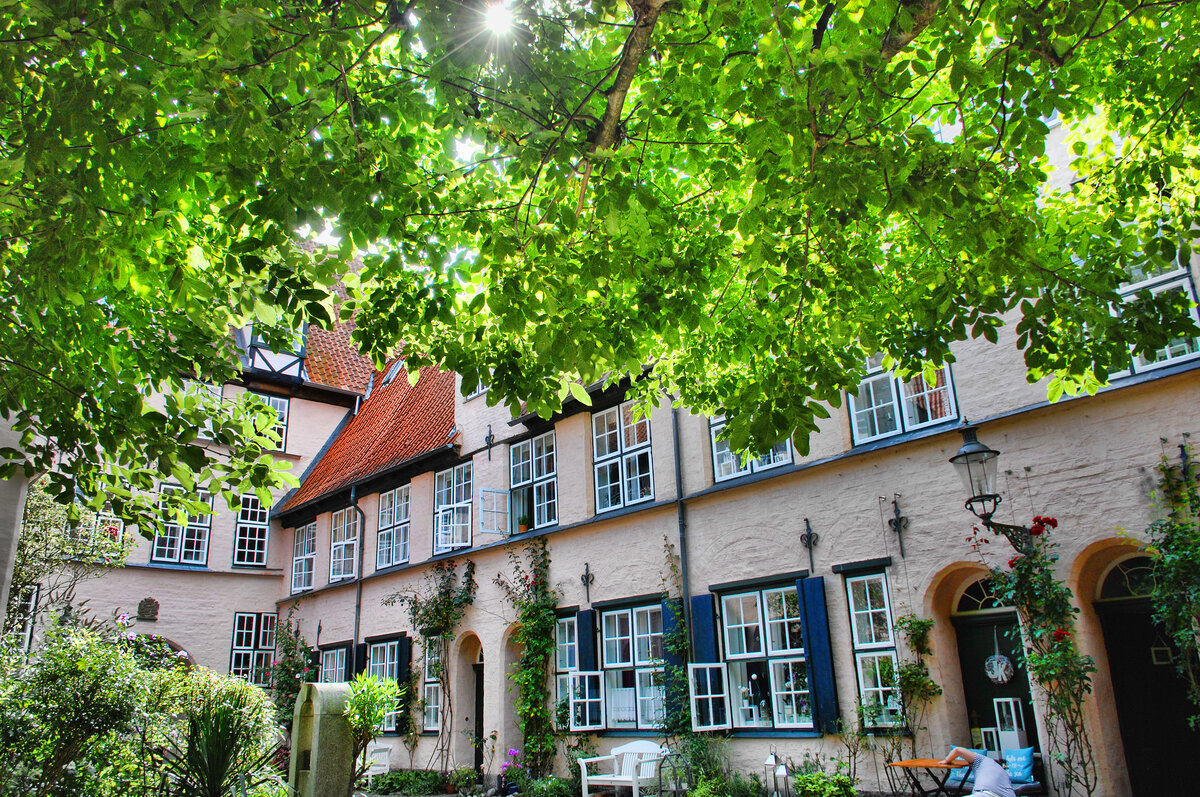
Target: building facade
793,571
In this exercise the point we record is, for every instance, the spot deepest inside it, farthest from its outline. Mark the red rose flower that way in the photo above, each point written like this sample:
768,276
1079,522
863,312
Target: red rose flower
1012,562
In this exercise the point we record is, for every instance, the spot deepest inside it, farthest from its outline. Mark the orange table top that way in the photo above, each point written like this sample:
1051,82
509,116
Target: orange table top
929,763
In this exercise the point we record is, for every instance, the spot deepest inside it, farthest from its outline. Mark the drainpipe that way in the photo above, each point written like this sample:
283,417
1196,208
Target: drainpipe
681,514
362,534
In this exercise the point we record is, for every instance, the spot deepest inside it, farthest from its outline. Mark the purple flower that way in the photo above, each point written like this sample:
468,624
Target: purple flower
514,752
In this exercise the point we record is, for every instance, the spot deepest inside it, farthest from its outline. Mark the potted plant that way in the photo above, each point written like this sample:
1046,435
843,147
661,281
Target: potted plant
523,522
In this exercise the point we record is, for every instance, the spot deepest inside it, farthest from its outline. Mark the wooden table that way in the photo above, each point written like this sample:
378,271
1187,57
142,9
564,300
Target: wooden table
932,767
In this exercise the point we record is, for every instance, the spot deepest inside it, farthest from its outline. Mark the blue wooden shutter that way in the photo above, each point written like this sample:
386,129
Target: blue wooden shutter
357,659
819,653
672,615
403,659
675,660
704,630
585,640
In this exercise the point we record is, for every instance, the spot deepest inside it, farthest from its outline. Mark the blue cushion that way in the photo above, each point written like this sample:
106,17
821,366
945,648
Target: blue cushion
1020,764
962,775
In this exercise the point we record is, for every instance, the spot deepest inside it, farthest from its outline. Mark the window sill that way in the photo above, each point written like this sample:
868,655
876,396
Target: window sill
765,733
175,566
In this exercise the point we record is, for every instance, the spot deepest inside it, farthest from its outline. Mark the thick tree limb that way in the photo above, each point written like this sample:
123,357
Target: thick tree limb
646,13
922,12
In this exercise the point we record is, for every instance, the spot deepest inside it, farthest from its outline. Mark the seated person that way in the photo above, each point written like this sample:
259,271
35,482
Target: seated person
990,777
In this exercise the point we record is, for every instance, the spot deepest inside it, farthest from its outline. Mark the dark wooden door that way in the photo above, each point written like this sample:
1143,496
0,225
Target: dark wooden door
979,637
1152,703
478,668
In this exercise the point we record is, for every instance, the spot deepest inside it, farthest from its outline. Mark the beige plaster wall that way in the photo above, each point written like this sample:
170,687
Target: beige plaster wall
1088,462
197,605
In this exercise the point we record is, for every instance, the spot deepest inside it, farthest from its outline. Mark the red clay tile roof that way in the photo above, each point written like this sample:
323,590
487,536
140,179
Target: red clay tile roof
394,424
331,358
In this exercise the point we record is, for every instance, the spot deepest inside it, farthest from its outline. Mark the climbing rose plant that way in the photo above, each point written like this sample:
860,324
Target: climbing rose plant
1062,675
528,590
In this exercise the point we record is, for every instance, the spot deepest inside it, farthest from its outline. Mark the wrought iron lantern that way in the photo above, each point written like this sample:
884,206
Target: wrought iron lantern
976,464
775,776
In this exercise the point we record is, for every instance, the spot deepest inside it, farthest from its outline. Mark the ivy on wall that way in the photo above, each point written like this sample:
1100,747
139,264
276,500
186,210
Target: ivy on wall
1175,547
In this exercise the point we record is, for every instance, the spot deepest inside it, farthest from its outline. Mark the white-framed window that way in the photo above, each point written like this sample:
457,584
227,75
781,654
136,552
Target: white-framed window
178,543
333,665
534,482
343,545
874,648
452,509
870,612
885,406
281,406
709,696
587,701
763,681
27,607
1162,280
566,659
250,538
631,685
622,461
433,671
392,543
304,557
383,661
728,464
252,653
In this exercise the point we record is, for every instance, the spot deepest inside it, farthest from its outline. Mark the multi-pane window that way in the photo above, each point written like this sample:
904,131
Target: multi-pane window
253,648
874,648
304,557
26,614
432,720
343,551
534,484
728,464
178,542
393,528
629,692
250,539
766,669
452,509
383,661
1165,279
333,665
623,464
280,405
566,655
886,406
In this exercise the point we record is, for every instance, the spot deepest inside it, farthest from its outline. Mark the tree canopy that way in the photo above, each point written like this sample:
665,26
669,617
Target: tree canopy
752,196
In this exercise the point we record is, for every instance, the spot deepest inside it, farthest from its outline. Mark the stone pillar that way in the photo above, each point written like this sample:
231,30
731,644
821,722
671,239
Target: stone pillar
321,762
12,508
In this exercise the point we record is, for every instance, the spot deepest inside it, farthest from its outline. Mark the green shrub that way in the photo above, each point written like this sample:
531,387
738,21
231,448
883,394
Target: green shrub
408,781
824,784
550,786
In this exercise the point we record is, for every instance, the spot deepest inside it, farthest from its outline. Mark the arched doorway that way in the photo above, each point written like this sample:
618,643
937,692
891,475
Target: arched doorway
1152,703
467,678
998,699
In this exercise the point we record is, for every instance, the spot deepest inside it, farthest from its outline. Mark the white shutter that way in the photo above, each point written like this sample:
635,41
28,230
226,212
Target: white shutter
587,701
493,511
442,533
708,689
461,530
